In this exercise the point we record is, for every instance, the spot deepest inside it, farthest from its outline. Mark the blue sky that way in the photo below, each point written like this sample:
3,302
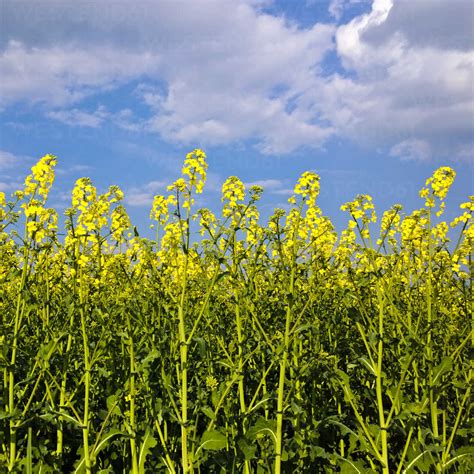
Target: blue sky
373,95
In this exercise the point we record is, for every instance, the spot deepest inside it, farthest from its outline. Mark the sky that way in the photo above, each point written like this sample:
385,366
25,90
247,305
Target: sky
372,95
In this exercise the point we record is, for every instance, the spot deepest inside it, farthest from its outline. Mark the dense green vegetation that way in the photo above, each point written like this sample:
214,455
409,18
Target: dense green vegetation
275,348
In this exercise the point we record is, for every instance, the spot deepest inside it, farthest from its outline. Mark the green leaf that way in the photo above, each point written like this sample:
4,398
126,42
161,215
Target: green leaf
68,418
367,365
212,440
262,428
208,412
105,439
80,465
153,355
201,345
442,368
248,450
353,467
112,404
148,442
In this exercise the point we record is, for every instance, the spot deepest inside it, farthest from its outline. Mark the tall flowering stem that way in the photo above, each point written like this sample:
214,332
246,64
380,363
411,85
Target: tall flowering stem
37,226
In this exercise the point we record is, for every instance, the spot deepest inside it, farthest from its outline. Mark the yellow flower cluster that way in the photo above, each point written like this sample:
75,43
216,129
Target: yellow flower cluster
437,187
466,216
195,168
160,208
414,226
211,383
254,232
83,194
307,187
207,221
40,222
390,226
100,240
120,223
233,192
94,209
359,208
41,178
3,203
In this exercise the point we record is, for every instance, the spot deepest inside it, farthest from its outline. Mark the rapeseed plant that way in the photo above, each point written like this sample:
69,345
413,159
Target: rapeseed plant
277,347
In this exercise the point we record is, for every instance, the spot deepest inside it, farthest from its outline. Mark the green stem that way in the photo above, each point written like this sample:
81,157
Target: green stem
20,305
429,348
379,388
247,466
62,392
133,438
281,382
87,380
183,350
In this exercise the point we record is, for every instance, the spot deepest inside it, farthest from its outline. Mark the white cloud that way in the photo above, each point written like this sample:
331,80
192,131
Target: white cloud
7,159
267,184
141,196
336,7
416,98
11,185
272,186
221,63
65,74
411,150
224,71
81,118
73,169
76,117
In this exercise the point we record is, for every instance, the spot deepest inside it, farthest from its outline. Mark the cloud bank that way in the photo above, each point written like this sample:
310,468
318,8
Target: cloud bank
398,76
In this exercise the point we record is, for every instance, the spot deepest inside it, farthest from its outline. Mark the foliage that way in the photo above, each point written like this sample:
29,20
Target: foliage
276,348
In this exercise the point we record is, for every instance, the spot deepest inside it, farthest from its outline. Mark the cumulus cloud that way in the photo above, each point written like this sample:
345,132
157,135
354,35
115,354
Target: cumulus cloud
272,186
399,89
411,150
139,196
218,72
220,61
7,159
65,74
336,7
82,118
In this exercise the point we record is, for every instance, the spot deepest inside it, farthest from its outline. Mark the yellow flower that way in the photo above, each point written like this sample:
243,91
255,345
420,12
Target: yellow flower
233,192
179,185
307,187
437,187
41,178
195,167
120,222
160,209
211,383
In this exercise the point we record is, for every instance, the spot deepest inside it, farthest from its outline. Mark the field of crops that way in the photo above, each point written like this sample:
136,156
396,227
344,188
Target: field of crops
225,344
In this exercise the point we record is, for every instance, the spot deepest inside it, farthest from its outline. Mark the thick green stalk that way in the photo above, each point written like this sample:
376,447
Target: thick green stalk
238,324
184,383
133,438
379,388
281,382
241,388
183,351
87,381
62,392
20,305
429,348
